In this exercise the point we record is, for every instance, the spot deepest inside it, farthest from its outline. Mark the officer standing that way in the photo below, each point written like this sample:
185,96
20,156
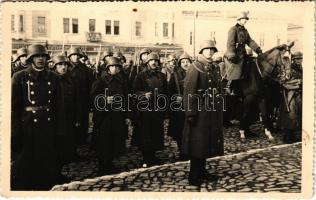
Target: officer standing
35,112
83,79
175,88
203,129
150,120
19,61
110,117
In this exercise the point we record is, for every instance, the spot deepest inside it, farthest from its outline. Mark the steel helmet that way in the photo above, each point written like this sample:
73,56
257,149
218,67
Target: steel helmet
36,49
207,44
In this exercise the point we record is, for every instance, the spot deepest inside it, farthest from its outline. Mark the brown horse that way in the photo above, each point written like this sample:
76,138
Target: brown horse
263,75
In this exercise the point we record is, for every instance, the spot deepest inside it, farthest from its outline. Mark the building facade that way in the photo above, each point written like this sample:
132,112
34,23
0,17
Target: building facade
126,29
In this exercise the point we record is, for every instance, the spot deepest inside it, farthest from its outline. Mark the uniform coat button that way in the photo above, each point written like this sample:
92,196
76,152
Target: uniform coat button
33,102
48,119
48,83
32,92
33,111
48,101
49,92
47,109
31,83
35,120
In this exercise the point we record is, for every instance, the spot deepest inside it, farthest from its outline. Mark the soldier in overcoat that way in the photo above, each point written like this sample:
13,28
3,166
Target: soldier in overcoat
175,89
110,117
238,38
19,61
203,103
35,117
150,119
83,79
72,109
290,117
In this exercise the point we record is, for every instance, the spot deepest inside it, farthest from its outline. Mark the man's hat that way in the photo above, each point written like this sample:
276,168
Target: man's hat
243,15
207,44
19,53
153,56
60,59
36,49
297,55
75,51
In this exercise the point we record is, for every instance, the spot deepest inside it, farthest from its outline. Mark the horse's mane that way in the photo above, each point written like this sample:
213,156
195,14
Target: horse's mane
270,51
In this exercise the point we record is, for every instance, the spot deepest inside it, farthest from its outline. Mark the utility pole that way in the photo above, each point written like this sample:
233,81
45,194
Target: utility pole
194,21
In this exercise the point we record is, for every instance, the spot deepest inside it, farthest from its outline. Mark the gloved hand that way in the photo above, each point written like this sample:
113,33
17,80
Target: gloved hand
192,120
259,52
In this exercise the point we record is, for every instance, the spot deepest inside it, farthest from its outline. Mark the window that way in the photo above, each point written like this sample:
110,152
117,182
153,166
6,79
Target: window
41,25
172,30
12,23
116,27
91,25
165,29
108,27
66,25
156,29
75,26
21,23
138,28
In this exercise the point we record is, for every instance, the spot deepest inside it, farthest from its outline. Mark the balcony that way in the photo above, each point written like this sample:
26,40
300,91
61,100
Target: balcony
93,36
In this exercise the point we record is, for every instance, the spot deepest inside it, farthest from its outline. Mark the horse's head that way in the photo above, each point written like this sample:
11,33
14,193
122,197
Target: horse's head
279,56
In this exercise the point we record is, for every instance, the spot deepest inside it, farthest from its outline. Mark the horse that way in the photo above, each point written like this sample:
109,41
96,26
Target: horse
262,77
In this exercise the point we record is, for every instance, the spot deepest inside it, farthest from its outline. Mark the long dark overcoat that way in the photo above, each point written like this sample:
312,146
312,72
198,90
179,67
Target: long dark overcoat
150,133
34,132
110,123
176,118
204,138
83,78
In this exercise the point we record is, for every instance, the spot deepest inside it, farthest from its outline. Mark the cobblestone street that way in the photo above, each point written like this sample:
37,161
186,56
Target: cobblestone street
265,170
239,170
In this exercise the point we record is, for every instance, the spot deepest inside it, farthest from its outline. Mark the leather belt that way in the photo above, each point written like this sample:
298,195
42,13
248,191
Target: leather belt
36,108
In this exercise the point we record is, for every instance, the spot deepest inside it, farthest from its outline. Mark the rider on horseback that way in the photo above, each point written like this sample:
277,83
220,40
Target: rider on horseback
238,38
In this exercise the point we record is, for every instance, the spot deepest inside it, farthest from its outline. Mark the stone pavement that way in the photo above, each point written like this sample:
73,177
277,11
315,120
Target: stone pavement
87,168
272,169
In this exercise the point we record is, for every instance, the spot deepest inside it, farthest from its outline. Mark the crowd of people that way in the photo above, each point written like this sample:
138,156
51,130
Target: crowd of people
52,99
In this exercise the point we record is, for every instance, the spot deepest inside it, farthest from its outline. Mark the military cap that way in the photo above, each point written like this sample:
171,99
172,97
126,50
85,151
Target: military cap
60,59
207,44
297,55
113,61
153,56
36,49
106,53
243,15
184,56
19,53
144,50
75,51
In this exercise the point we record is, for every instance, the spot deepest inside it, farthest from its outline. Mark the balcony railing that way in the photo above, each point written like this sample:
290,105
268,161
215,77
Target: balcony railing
93,36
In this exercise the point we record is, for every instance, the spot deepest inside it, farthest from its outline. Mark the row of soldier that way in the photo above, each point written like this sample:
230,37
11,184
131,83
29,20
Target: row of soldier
63,94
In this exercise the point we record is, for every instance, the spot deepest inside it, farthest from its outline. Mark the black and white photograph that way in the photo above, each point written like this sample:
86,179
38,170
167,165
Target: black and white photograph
204,97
